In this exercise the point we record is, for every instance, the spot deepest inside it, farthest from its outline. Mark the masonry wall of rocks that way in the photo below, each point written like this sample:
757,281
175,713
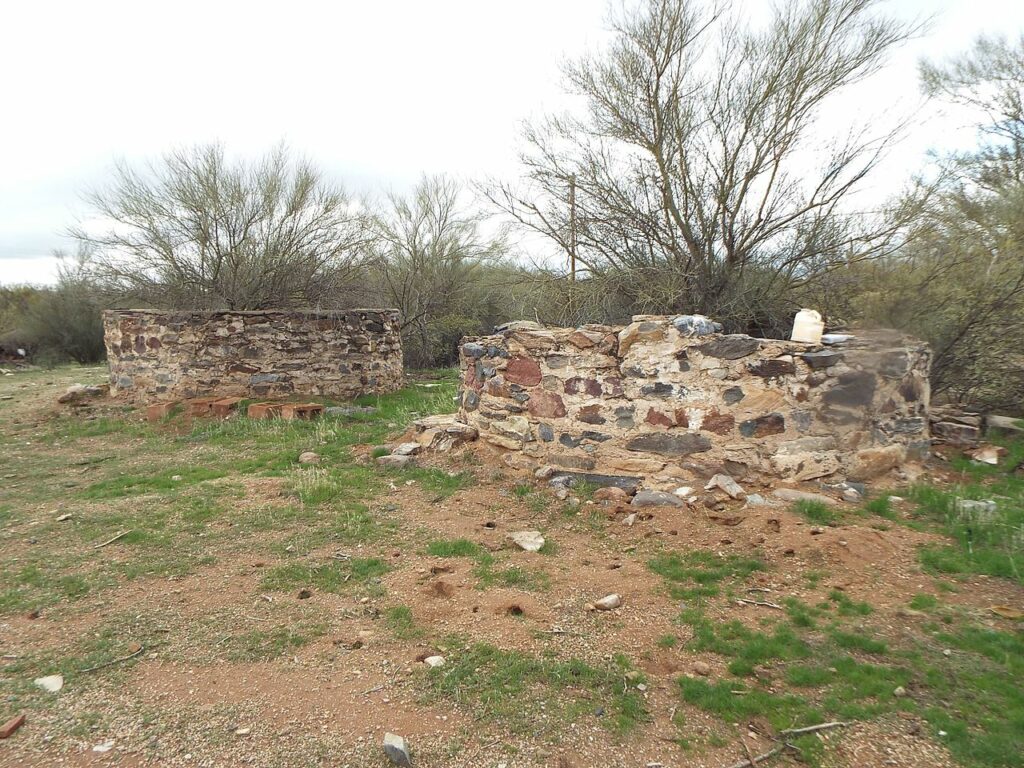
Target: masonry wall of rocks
670,398
270,354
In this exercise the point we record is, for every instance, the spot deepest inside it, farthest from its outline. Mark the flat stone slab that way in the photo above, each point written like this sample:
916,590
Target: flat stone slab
656,499
572,479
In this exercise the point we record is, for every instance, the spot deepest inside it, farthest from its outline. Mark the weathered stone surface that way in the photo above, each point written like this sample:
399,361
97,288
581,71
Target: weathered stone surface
855,389
516,427
165,355
611,493
571,461
571,479
396,750
669,444
695,325
793,494
767,369
547,405
545,432
395,461
763,426
874,462
577,386
719,423
658,419
727,484
591,414
530,541
523,370
733,395
647,498
644,331
731,347
825,358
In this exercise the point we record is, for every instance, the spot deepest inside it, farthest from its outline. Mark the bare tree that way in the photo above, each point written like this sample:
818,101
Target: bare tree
428,251
700,181
198,231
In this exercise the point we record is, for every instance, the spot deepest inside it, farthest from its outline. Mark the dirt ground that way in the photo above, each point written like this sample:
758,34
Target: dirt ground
343,675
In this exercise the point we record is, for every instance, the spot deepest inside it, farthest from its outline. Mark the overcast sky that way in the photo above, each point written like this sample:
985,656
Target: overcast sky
377,93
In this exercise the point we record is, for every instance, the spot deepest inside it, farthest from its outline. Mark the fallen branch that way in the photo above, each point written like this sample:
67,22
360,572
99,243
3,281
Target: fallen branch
751,762
112,662
813,728
111,541
760,603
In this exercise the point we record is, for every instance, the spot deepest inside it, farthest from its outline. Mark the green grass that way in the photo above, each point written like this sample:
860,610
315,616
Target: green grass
699,573
922,602
990,543
157,482
455,548
490,574
816,512
333,577
400,621
847,607
265,645
535,696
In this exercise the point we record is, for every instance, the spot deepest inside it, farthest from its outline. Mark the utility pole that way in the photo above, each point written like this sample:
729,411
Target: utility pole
572,228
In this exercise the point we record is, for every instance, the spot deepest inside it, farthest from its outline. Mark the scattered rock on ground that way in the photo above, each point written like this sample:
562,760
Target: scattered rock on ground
309,457
406,449
852,495
727,484
988,454
395,749
684,492
608,602
434,661
792,494
656,499
395,462
610,493
50,683
76,393
531,541
702,668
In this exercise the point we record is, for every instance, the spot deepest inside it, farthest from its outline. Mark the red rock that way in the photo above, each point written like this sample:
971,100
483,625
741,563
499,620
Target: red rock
719,423
523,370
225,406
201,406
158,411
8,728
301,411
264,410
659,419
546,405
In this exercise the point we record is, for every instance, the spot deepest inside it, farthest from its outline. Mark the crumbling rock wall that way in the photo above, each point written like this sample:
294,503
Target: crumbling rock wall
156,355
672,397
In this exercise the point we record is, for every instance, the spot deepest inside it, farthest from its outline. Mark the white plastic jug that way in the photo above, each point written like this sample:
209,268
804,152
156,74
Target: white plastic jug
808,327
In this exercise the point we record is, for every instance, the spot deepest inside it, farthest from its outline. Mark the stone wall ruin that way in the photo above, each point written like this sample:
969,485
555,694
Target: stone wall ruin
155,355
671,398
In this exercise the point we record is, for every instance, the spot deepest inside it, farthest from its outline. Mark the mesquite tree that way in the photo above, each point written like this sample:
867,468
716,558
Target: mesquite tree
702,179
197,231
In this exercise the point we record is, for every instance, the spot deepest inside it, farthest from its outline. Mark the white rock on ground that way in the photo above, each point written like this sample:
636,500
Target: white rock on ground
309,457
50,683
608,602
684,492
434,661
531,541
727,484
395,749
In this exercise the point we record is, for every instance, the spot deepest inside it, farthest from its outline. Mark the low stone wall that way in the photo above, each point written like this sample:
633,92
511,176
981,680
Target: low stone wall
671,398
157,355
